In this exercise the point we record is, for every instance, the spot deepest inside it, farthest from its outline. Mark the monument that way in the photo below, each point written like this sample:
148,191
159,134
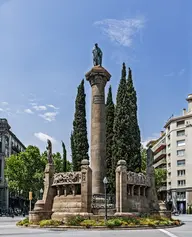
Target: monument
81,193
98,76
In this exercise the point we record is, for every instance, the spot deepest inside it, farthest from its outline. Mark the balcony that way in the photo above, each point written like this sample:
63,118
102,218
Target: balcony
160,164
15,148
158,156
159,146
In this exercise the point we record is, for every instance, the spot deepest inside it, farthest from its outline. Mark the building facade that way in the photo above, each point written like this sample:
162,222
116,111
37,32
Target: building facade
160,162
9,144
173,150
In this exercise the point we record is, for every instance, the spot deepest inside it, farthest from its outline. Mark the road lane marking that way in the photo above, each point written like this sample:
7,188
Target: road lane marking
168,233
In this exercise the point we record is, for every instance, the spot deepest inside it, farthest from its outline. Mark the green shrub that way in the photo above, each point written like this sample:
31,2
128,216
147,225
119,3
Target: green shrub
132,220
75,220
45,223
24,222
114,222
189,209
89,223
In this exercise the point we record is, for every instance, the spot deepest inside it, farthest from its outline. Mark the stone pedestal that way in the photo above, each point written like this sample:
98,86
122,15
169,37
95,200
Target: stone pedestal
98,77
43,208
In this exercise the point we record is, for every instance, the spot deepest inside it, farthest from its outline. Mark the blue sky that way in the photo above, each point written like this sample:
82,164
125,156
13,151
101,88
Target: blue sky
45,51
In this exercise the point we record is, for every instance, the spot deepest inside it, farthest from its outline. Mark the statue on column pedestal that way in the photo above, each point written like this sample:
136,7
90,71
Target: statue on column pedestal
97,56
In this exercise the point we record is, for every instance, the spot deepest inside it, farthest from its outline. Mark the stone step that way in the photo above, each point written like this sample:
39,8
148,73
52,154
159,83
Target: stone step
101,211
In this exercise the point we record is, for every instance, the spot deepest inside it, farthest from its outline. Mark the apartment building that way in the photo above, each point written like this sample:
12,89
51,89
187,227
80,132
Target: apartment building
173,150
159,151
9,144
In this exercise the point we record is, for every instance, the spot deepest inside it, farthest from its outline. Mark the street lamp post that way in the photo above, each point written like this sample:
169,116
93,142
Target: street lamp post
105,181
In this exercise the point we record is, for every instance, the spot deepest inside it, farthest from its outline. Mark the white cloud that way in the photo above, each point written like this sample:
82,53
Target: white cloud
49,116
39,107
52,106
154,136
4,103
122,31
43,137
28,111
1,110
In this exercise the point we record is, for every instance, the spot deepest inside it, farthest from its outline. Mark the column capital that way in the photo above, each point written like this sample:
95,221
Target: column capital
98,75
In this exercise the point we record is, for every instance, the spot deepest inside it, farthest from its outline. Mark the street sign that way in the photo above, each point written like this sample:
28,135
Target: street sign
30,196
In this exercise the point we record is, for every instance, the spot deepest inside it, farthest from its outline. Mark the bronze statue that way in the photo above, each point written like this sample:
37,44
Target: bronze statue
97,56
49,152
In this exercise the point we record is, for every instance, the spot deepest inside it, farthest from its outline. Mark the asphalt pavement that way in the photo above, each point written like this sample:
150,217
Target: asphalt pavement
8,228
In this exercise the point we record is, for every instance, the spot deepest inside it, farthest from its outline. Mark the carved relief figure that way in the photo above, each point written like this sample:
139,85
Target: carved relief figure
67,178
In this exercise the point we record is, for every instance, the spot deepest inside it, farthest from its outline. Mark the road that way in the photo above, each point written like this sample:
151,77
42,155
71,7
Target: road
8,228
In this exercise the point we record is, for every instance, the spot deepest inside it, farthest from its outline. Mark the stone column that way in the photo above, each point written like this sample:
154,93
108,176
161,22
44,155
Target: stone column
121,186
86,187
98,77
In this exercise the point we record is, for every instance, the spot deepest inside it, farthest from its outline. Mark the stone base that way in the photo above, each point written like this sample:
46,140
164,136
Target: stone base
126,214
63,216
166,214
101,211
36,216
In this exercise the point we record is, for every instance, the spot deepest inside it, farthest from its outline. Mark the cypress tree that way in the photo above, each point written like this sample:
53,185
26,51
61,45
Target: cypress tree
73,153
79,137
120,124
110,109
134,148
64,157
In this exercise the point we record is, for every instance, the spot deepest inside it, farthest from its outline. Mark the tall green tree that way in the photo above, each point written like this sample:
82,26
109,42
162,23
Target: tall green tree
25,172
110,109
120,137
134,147
79,137
64,158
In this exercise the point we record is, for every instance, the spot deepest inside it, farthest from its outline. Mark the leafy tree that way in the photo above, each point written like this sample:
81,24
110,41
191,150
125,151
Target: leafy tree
134,161
79,137
25,172
110,109
160,177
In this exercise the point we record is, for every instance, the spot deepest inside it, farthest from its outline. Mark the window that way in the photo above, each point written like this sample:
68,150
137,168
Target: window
6,140
181,195
169,174
6,152
180,133
180,123
169,183
169,164
180,172
169,137
168,128
181,152
169,146
181,182
181,143
180,162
